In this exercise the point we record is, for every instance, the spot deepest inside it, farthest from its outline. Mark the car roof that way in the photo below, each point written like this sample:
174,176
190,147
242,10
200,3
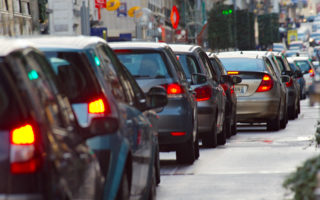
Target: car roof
138,45
9,45
241,54
299,58
183,47
64,42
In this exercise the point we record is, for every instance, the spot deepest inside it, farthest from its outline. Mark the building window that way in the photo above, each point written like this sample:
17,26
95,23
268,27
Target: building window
3,4
17,6
25,7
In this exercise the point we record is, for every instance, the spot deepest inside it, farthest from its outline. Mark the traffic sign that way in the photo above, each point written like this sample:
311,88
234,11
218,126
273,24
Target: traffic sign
174,17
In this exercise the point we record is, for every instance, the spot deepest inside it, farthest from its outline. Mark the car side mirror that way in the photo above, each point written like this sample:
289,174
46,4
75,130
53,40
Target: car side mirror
198,79
157,97
298,74
224,79
285,78
236,79
101,126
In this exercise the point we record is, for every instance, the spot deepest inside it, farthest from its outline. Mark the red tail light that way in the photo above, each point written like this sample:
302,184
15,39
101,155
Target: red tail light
233,73
266,84
174,90
203,93
311,72
232,90
99,106
22,150
289,84
178,133
122,51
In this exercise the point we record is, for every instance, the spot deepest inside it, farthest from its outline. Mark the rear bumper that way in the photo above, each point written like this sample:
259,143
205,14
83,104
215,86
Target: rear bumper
257,110
21,197
175,117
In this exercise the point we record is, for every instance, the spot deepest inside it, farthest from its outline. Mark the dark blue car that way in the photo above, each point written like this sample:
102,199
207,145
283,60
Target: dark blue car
97,85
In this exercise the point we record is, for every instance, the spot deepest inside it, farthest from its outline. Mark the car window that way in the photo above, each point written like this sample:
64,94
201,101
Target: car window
242,64
74,71
207,66
145,64
216,67
10,111
303,65
280,64
270,68
189,64
110,71
176,64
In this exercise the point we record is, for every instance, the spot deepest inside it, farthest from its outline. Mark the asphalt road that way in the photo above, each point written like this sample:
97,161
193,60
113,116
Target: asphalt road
251,166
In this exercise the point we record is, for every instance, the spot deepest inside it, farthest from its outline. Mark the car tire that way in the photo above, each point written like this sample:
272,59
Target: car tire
234,126
209,139
124,187
284,121
185,153
292,112
157,165
152,189
228,128
274,124
222,137
196,148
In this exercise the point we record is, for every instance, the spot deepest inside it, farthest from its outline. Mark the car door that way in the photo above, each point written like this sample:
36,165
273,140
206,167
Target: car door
140,138
71,157
217,88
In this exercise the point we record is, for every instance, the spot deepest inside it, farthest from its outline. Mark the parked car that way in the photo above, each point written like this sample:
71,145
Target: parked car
97,86
307,69
280,47
301,81
262,93
154,64
293,86
228,87
213,126
43,154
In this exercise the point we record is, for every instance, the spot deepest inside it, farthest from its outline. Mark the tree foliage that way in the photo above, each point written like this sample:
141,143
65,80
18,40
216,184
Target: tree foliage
42,10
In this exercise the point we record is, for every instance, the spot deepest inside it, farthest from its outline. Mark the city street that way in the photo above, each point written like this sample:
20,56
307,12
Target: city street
251,166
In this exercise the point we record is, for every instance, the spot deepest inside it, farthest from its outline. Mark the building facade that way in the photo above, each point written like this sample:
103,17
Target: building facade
18,17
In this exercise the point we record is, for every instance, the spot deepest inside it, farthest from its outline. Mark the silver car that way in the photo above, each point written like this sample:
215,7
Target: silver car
211,99
154,64
262,92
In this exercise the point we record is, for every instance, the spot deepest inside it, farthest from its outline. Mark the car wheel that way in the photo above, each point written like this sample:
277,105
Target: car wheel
274,125
284,121
157,165
299,109
234,126
228,128
196,148
209,139
124,187
291,112
153,190
222,137
185,153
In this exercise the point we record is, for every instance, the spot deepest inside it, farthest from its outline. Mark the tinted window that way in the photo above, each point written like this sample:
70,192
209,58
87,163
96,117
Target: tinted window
303,65
242,64
280,64
145,65
189,64
75,73
216,66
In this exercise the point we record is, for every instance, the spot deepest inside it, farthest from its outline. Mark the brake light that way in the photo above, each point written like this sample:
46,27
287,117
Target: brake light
174,90
225,87
23,150
289,84
203,93
266,84
178,133
122,50
233,73
311,72
23,135
99,106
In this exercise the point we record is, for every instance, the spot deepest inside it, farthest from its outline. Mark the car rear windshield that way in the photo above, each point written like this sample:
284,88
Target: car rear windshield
189,64
145,64
9,109
303,65
243,64
75,75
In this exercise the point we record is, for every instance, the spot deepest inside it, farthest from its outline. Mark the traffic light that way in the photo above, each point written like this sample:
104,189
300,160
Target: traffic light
227,12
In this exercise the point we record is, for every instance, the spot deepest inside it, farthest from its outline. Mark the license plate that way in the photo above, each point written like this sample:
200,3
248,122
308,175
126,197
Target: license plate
240,90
